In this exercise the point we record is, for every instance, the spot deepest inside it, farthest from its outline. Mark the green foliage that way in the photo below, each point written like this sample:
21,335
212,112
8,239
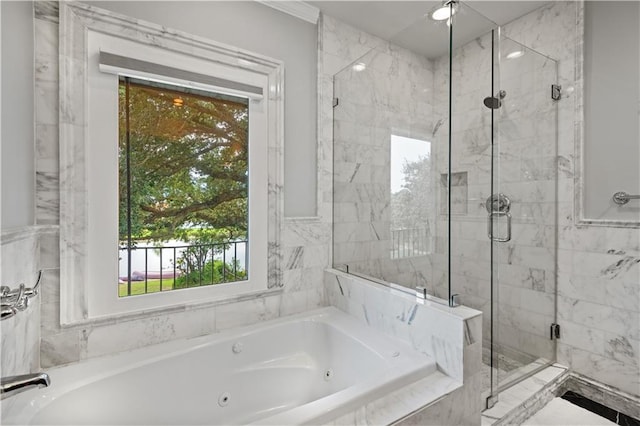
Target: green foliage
188,165
211,272
411,206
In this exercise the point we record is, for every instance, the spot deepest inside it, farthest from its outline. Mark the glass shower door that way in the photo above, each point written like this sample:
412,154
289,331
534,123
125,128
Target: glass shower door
444,177
523,212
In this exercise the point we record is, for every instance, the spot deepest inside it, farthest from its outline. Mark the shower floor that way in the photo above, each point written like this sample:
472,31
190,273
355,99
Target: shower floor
507,369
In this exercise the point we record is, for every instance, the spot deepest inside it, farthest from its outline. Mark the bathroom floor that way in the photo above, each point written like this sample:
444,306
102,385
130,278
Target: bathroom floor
561,412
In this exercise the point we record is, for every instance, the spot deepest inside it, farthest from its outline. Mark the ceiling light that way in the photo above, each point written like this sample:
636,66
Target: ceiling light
442,13
360,66
515,54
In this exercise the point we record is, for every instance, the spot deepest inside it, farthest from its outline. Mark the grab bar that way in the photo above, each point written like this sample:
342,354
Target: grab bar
623,198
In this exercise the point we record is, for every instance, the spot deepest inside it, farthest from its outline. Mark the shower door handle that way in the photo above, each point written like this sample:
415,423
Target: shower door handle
498,205
498,214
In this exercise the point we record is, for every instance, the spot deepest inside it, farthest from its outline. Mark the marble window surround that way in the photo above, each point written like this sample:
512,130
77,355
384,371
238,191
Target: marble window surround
77,21
303,248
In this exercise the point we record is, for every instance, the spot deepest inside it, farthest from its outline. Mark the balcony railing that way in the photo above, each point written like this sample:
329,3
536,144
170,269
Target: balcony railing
149,269
409,243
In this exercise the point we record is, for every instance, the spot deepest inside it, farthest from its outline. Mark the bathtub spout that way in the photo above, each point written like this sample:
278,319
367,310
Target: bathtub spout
16,384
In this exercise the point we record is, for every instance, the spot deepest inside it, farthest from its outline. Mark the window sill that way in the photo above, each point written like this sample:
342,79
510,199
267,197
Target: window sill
117,318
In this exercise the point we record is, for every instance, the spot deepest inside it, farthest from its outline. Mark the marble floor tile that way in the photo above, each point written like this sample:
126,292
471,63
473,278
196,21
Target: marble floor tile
520,400
560,412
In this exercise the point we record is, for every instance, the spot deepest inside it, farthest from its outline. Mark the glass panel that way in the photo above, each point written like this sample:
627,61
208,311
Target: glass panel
384,179
183,187
525,266
470,167
427,129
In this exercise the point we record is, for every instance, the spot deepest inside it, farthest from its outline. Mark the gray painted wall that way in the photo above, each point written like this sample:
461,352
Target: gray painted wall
612,102
17,148
247,25
260,29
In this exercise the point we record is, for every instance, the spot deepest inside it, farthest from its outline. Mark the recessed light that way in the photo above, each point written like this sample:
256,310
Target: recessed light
442,13
515,54
360,66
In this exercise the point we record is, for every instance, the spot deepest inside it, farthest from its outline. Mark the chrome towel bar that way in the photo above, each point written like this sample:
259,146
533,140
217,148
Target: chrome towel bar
623,198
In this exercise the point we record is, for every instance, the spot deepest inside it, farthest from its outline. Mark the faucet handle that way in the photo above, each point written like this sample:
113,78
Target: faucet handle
22,303
17,299
7,311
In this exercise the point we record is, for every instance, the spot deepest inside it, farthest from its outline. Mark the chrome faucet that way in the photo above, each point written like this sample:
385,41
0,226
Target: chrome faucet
17,299
15,384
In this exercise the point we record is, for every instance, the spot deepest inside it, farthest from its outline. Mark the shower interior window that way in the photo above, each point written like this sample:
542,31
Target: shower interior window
412,204
183,187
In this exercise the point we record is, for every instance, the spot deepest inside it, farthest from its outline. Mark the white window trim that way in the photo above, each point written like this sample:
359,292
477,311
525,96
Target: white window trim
88,159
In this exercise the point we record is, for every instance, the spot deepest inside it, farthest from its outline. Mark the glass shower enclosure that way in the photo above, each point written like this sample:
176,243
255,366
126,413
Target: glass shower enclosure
445,147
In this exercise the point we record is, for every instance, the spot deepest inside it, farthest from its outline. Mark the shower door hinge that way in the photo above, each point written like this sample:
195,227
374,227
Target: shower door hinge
556,92
336,101
554,331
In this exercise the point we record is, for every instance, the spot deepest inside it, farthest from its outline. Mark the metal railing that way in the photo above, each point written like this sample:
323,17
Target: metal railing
409,243
189,265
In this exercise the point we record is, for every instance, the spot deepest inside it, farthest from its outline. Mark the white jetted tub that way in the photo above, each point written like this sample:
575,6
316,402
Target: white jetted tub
303,369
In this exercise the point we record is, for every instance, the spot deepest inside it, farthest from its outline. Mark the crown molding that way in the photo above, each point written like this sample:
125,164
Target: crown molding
297,8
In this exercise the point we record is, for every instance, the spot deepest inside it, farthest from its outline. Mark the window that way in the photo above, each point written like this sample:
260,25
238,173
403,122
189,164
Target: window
183,187
192,209
411,197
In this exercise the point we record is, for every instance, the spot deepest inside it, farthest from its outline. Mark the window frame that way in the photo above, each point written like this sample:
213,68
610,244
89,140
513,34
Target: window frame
88,158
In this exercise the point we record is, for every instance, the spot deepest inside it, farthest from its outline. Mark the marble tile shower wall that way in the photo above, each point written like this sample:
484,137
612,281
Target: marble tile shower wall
598,267
598,274
524,268
305,248
391,96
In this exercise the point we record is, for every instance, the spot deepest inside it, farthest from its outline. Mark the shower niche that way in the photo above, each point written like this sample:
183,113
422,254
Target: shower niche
429,125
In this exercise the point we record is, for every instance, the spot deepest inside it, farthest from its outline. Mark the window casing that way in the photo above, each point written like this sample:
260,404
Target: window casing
89,157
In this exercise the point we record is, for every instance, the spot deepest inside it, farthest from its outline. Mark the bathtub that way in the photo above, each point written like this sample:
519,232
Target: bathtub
302,369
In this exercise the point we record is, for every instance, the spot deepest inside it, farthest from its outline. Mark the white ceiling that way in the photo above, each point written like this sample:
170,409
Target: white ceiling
404,22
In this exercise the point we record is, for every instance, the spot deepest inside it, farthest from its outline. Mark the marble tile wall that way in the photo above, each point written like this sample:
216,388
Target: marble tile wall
598,266
597,270
305,249
451,336
20,335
